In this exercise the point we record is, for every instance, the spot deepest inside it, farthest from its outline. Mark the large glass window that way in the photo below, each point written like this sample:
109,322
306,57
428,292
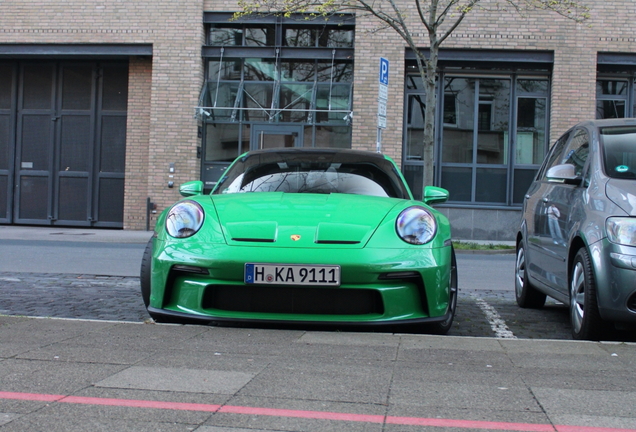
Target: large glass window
256,76
295,36
492,140
615,87
611,98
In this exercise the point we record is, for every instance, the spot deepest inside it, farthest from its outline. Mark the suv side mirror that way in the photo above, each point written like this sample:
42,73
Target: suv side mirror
563,173
435,195
191,188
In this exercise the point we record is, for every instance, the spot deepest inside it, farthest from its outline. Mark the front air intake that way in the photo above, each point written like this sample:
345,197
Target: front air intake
293,300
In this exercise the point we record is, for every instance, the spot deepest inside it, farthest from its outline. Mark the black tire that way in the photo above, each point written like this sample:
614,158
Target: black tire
441,328
585,318
144,274
528,297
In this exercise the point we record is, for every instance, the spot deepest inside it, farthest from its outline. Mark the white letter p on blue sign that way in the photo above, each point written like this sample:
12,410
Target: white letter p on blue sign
384,71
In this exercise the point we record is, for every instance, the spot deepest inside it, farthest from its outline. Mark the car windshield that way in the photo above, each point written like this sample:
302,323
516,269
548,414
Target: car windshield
619,151
314,172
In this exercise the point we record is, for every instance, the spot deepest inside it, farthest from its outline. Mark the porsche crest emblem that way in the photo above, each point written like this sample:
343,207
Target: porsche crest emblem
295,237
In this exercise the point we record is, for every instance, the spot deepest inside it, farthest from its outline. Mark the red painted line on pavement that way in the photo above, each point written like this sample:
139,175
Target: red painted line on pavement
31,396
180,406
320,415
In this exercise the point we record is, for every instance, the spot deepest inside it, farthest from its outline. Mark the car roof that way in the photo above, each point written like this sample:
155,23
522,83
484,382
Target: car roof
608,122
292,150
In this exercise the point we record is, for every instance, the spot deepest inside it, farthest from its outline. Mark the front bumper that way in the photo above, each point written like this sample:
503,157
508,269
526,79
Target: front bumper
204,282
615,271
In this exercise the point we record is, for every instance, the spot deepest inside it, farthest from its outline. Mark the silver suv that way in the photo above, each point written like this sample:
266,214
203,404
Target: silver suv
577,239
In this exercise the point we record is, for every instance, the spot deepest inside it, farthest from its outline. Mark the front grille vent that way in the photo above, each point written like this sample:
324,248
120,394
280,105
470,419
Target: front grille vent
293,300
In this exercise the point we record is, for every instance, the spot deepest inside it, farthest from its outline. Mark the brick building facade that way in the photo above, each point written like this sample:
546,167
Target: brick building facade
161,44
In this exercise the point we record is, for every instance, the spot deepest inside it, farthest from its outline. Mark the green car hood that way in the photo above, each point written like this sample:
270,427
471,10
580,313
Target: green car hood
280,219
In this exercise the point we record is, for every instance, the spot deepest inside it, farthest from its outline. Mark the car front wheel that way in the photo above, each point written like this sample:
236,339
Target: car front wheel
144,274
584,315
444,326
527,295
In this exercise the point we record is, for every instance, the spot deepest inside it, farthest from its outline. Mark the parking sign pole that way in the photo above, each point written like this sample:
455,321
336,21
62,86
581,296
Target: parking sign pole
382,99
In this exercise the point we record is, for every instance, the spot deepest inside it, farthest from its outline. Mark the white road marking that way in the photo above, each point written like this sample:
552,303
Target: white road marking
497,324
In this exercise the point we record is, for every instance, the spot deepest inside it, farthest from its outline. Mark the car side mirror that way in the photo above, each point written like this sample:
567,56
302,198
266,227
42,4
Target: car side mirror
563,173
435,195
191,188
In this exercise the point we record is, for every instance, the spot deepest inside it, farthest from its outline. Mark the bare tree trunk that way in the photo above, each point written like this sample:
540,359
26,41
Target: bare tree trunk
428,154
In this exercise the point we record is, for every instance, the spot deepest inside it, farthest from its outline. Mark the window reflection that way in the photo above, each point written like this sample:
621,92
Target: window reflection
531,130
228,69
297,99
532,86
336,97
298,70
608,106
415,126
259,69
458,138
222,95
300,37
258,100
221,142
492,121
224,36
260,36
610,109
340,72
475,140
335,38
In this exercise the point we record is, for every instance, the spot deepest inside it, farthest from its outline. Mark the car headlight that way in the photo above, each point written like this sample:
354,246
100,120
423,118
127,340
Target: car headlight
416,225
184,219
621,230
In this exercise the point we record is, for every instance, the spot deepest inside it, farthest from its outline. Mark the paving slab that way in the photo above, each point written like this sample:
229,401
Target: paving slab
597,403
355,382
178,380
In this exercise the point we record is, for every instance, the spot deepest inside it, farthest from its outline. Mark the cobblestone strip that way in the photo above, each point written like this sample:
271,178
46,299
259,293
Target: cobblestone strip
71,296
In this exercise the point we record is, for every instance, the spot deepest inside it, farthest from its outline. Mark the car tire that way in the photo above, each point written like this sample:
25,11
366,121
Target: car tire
528,297
144,274
443,327
585,318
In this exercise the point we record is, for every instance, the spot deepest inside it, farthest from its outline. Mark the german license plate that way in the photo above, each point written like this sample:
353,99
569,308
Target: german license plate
292,274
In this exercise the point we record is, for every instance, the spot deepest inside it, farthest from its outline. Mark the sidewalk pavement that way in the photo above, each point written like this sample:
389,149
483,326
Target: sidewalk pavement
16,232
68,375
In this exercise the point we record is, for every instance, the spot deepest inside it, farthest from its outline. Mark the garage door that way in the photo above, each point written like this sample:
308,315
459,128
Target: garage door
62,143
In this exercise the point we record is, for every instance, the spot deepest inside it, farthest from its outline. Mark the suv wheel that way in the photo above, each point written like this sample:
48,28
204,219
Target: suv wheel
584,315
527,295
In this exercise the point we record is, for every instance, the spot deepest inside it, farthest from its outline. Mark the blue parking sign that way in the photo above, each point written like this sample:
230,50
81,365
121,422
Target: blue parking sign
384,71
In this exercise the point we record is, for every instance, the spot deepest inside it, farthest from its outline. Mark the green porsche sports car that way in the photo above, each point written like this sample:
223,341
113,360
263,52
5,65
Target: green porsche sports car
295,235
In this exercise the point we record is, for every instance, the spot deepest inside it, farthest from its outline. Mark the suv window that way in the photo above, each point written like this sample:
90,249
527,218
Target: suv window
577,151
619,152
554,156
